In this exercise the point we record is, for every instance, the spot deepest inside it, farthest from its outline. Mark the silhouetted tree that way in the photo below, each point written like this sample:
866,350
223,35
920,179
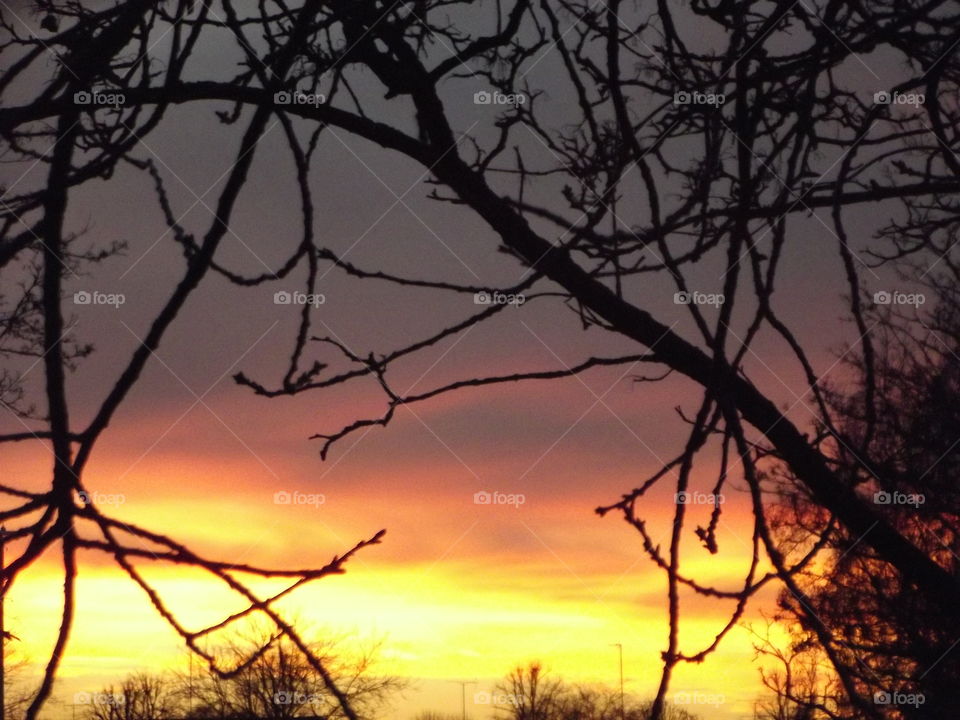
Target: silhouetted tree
588,703
602,703
281,683
529,692
802,685
39,255
16,693
884,639
698,137
436,715
141,696
278,682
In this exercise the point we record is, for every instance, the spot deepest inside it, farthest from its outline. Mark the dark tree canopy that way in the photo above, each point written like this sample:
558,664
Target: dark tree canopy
631,152
882,636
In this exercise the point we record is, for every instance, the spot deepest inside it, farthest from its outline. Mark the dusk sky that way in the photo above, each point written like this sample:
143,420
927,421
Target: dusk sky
458,590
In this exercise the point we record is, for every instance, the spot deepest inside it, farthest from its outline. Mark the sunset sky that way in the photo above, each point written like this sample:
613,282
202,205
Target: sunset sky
457,590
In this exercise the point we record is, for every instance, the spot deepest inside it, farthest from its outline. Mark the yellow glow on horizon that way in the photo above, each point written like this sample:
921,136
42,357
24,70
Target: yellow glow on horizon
459,592
436,622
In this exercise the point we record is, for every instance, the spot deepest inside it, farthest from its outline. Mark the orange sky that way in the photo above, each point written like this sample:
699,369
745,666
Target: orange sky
458,590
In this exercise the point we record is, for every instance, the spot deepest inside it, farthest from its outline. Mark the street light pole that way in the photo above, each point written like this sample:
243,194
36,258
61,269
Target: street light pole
619,647
190,658
3,630
463,695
